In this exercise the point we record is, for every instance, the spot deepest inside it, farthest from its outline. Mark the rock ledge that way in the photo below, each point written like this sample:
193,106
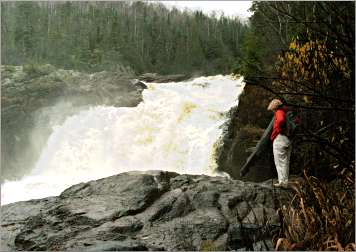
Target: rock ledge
155,210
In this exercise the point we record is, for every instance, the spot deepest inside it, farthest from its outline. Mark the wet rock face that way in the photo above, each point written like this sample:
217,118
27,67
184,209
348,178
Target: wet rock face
147,211
157,78
237,143
28,91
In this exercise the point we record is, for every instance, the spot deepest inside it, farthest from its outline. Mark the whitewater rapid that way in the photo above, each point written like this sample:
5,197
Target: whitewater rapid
176,128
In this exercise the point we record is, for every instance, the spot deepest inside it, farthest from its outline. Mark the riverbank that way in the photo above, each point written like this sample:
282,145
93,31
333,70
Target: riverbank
154,210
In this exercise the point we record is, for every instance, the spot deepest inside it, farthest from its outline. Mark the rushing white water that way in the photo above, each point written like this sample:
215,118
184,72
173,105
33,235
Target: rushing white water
175,128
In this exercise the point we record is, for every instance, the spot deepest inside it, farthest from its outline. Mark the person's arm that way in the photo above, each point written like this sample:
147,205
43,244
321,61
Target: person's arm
281,120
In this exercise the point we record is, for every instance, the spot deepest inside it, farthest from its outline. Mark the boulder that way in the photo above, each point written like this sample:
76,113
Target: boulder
152,210
138,84
157,78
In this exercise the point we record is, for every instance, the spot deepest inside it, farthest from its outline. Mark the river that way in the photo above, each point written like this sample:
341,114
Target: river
177,127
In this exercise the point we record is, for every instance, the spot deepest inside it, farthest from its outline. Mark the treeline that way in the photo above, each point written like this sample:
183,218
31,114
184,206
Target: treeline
304,54
94,36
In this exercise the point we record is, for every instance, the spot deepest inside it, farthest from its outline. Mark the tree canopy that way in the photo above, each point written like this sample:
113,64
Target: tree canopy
95,36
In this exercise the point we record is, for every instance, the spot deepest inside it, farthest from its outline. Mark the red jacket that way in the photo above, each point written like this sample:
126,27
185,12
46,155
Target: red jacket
279,122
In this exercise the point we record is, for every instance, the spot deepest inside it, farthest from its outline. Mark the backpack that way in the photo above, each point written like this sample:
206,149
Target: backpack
291,123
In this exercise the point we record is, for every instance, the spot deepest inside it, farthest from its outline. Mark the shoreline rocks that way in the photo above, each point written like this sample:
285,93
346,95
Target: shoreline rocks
157,78
152,210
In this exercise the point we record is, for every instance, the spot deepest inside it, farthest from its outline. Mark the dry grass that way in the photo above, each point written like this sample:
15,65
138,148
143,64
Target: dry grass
321,216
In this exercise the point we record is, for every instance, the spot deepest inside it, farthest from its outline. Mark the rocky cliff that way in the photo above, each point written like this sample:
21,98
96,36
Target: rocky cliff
147,211
245,127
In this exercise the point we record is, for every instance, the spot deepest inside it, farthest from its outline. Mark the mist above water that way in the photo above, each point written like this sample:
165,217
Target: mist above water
176,128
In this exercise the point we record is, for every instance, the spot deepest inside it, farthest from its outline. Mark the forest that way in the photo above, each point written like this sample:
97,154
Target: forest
300,52
98,36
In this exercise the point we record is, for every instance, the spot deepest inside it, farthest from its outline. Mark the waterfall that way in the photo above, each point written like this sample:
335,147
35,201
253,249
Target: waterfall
175,128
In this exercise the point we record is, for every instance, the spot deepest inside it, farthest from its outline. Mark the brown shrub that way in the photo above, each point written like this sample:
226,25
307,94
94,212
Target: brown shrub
320,216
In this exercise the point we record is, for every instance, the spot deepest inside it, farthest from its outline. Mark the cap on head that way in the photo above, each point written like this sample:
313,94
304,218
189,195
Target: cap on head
274,104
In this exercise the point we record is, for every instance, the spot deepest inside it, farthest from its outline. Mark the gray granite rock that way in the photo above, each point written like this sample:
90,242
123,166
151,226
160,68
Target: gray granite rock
153,210
157,78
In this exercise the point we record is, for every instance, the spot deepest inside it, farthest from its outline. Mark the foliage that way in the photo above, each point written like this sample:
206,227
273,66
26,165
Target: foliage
313,77
96,36
33,70
311,67
319,60
254,53
321,215
307,59
208,245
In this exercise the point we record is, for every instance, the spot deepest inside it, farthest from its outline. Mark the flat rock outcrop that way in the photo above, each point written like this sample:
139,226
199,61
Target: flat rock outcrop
155,210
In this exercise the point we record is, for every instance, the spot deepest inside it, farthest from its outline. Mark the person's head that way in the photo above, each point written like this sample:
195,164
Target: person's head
274,104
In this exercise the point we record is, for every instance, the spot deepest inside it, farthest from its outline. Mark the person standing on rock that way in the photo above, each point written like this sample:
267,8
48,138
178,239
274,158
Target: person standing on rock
282,146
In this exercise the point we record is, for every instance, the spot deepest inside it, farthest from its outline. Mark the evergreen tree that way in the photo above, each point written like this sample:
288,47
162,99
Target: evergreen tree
95,36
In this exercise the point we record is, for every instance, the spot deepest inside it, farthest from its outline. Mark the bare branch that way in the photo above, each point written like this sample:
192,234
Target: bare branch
317,94
279,95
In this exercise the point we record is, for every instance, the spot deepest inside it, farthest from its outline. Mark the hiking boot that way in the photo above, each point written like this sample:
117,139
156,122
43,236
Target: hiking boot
281,185
284,185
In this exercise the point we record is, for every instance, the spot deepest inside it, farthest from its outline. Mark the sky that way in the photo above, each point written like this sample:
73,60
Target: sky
230,8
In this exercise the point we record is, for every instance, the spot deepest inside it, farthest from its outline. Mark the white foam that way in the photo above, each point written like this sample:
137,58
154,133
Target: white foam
175,128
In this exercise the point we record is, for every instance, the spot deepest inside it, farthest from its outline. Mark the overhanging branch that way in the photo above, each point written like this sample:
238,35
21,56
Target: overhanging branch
280,95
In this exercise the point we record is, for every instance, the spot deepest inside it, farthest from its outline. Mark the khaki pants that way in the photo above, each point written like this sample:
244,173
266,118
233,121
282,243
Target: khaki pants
282,149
